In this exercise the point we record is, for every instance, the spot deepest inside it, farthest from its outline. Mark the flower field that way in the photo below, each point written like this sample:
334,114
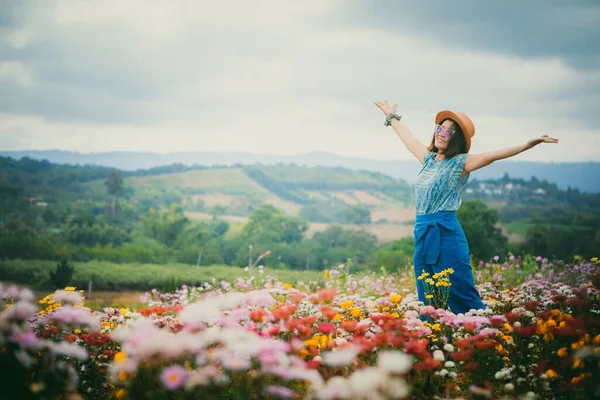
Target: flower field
339,337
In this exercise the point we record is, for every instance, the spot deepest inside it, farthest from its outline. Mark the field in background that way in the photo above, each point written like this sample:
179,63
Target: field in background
107,276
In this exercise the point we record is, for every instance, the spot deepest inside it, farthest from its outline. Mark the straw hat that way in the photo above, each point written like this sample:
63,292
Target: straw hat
462,120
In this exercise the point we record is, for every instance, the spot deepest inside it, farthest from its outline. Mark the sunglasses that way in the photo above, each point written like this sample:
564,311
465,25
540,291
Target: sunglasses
439,130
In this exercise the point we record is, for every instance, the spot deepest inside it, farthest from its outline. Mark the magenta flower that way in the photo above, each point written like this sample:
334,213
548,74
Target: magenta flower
173,377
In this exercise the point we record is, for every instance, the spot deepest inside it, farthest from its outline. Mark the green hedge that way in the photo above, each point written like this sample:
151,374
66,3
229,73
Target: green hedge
111,276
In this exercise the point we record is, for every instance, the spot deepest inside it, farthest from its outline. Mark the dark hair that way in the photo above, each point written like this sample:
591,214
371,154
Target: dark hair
457,144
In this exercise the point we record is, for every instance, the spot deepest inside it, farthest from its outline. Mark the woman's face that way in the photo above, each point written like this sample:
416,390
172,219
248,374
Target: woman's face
443,133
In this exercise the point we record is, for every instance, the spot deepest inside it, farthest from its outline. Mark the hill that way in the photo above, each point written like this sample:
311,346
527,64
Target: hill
577,175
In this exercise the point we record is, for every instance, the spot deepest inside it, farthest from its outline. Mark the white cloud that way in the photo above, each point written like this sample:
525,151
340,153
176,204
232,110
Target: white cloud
269,77
16,72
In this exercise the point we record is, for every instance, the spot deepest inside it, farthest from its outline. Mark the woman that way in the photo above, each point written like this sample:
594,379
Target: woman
440,241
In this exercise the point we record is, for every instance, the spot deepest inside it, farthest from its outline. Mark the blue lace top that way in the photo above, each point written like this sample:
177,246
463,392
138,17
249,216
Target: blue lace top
439,184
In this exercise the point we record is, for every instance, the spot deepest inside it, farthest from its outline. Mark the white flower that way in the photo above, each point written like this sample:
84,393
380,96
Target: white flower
397,389
438,355
509,387
449,364
395,362
69,350
452,374
67,297
335,388
364,382
449,348
341,357
206,311
443,372
531,345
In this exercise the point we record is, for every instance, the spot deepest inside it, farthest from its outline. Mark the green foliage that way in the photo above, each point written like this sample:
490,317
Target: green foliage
479,223
136,276
269,225
396,255
562,242
62,276
114,182
356,215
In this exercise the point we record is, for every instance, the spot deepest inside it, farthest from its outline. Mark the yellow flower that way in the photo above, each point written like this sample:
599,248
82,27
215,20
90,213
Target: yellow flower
355,312
429,296
436,327
77,331
304,353
120,356
577,364
287,286
70,288
395,315
562,352
36,387
123,376
395,298
121,394
326,273
124,311
551,374
337,317
346,304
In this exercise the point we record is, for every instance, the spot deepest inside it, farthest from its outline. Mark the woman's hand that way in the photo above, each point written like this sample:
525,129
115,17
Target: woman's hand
542,139
386,108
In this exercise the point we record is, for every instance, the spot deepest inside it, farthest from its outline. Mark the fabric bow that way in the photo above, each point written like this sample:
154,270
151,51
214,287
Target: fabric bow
430,232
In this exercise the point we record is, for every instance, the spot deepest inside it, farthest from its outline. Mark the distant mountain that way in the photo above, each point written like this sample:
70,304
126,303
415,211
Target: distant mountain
579,175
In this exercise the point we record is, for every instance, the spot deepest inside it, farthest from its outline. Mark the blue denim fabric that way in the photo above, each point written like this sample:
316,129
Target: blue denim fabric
440,243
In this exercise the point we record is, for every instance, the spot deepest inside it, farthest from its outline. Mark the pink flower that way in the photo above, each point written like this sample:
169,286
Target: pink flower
280,391
173,377
428,311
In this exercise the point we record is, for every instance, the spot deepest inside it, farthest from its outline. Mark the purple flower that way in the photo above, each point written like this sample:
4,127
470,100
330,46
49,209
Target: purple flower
26,340
173,377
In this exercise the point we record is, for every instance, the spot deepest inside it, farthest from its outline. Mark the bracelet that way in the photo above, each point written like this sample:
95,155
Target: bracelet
388,119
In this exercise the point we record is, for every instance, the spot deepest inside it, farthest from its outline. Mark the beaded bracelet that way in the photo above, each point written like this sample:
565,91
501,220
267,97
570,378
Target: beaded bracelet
388,120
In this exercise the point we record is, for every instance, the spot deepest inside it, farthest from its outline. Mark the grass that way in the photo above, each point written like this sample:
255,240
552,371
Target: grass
108,276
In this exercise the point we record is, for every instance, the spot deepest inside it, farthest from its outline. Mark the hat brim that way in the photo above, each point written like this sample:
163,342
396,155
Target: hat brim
447,114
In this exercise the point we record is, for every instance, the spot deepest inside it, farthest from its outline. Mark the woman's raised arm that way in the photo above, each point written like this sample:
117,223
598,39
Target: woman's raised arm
477,161
410,141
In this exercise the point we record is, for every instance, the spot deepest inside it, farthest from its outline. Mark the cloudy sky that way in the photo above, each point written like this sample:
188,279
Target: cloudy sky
287,77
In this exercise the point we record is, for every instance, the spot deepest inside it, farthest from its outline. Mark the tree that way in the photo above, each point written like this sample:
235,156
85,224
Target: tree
480,222
356,215
63,274
114,186
217,211
268,224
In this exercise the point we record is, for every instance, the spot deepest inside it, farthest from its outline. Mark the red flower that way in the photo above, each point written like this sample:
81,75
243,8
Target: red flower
349,326
511,317
463,344
526,331
326,328
327,295
274,330
472,366
328,312
428,365
485,344
257,315
462,355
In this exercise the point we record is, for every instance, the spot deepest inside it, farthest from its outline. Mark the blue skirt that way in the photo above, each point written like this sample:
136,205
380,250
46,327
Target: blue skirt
440,243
